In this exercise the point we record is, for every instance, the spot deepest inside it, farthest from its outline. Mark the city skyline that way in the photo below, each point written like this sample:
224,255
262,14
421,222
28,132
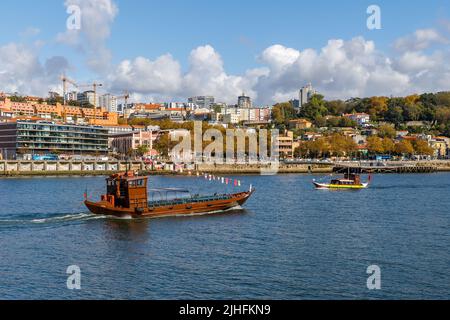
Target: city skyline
269,59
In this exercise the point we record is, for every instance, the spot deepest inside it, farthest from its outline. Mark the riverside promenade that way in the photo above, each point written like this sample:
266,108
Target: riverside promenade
84,168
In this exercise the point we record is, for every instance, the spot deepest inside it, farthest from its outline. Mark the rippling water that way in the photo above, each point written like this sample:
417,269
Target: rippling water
291,242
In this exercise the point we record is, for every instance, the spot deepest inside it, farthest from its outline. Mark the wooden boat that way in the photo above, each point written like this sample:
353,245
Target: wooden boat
127,196
350,181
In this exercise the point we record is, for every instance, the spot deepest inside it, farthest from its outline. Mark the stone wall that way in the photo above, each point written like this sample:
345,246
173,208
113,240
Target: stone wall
54,167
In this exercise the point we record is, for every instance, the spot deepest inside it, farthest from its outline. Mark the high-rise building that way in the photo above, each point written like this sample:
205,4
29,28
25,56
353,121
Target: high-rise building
305,95
72,96
108,101
202,102
87,97
244,102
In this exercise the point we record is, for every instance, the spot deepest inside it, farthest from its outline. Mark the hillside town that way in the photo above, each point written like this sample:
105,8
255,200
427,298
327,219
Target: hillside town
86,124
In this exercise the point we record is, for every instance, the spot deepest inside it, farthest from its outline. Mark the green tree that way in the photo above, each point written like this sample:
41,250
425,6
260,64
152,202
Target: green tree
314,109
142,150
283,112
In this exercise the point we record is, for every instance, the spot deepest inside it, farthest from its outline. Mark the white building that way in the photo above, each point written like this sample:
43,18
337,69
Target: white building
109,102
202,102
87,97
72,96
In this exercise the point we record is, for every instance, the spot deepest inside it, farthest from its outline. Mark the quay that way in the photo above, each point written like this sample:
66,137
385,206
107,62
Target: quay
393,167
56,168
9,168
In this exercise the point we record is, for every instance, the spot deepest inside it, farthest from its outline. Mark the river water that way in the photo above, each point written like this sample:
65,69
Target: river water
291,242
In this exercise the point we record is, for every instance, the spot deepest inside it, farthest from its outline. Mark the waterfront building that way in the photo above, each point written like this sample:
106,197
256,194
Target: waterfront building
202,102
125,143
286,145
21,138
440,146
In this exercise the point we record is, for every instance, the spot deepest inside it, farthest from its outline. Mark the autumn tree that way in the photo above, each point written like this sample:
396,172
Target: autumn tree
422,148
388,145
375,145
404,147
387,131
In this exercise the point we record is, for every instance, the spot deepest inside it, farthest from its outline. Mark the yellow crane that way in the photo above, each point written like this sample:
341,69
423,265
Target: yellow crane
125,97
94,86
65,81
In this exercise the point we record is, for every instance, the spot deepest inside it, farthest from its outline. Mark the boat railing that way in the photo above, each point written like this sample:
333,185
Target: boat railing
194,199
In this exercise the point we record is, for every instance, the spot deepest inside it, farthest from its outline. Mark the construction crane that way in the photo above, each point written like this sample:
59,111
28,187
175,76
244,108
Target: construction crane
125,97
66,80
94,86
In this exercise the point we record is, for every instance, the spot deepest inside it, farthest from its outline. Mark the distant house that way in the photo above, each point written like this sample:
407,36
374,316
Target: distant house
362,119
416,124
402,133
300,124
441,145
286,145
311,136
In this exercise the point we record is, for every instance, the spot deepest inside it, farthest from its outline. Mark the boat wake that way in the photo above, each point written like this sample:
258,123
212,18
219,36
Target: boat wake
50,220
199,214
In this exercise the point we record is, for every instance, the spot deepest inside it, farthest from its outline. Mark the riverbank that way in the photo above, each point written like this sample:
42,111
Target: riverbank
30,169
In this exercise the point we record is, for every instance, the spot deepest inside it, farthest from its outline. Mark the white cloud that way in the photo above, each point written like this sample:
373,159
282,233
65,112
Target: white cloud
97,17
164,79
21,71
341,69
420,40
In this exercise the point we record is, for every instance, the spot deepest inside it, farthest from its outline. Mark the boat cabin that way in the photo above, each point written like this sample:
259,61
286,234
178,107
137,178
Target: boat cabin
349,179
126,191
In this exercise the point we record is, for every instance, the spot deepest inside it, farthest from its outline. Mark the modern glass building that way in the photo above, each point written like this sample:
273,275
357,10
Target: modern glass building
31,138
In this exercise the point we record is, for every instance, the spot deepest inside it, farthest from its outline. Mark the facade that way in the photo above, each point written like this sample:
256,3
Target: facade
40,137
305,94
286,145
87,97
440,147
300,124
108,102
72,96
125,143
71,114
362,119
244,102
202,102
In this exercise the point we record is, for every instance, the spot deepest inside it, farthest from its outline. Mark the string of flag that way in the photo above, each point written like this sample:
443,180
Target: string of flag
219,179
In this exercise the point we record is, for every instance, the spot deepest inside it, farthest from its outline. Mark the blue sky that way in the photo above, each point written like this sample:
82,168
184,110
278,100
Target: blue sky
239,31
